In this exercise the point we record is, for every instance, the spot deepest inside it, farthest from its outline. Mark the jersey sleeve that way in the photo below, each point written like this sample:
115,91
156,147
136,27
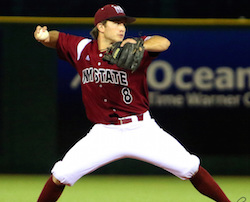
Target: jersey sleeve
67,47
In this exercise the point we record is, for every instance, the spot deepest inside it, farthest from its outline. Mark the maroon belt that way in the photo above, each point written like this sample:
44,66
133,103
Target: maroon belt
129,120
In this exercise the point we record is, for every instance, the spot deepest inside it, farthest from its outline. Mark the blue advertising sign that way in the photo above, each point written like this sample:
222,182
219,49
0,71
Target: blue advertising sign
202,68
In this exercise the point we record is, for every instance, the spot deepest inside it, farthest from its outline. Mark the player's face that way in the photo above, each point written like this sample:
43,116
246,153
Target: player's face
114,31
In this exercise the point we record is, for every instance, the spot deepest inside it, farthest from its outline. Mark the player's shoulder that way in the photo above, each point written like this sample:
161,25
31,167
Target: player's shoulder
82,45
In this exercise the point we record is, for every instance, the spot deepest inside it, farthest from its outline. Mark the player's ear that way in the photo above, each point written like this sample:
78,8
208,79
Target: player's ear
100,26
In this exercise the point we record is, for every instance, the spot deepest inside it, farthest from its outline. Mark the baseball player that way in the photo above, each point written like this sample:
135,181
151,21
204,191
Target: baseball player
116,101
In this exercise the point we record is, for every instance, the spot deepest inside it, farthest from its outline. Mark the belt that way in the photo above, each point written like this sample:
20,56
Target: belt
129,119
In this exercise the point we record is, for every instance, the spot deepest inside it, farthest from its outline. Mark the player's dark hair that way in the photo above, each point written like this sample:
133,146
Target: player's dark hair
95,32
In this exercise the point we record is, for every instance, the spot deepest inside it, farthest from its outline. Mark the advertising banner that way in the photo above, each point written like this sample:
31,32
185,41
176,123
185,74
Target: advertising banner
203,68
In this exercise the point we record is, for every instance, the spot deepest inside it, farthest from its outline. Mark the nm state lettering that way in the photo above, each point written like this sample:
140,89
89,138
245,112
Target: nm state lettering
104,76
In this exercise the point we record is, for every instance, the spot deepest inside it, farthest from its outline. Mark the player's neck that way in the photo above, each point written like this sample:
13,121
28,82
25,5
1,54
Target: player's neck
103,45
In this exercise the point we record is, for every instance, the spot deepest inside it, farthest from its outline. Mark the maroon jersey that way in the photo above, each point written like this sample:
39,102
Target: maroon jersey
108,92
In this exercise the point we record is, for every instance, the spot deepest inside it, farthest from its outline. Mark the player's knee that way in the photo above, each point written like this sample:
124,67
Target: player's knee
56,181
191,168
59,174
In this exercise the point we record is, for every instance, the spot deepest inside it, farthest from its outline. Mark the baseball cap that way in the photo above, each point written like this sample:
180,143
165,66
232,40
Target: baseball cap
112,12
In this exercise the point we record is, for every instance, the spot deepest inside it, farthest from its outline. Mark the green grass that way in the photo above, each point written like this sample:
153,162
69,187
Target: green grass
105,188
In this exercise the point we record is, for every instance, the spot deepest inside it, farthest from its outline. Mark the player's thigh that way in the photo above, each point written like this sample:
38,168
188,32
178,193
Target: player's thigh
98,148
159,148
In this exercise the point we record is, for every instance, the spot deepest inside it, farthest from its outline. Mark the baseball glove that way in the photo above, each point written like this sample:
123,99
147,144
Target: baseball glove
128,57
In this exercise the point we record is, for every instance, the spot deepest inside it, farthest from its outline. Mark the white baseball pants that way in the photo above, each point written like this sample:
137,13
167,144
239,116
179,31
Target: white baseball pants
142,140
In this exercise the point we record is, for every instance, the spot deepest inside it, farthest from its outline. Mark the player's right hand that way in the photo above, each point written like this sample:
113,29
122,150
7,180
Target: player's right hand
38,29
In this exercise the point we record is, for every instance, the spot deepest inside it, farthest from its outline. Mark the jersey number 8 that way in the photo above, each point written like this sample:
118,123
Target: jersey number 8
127,97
